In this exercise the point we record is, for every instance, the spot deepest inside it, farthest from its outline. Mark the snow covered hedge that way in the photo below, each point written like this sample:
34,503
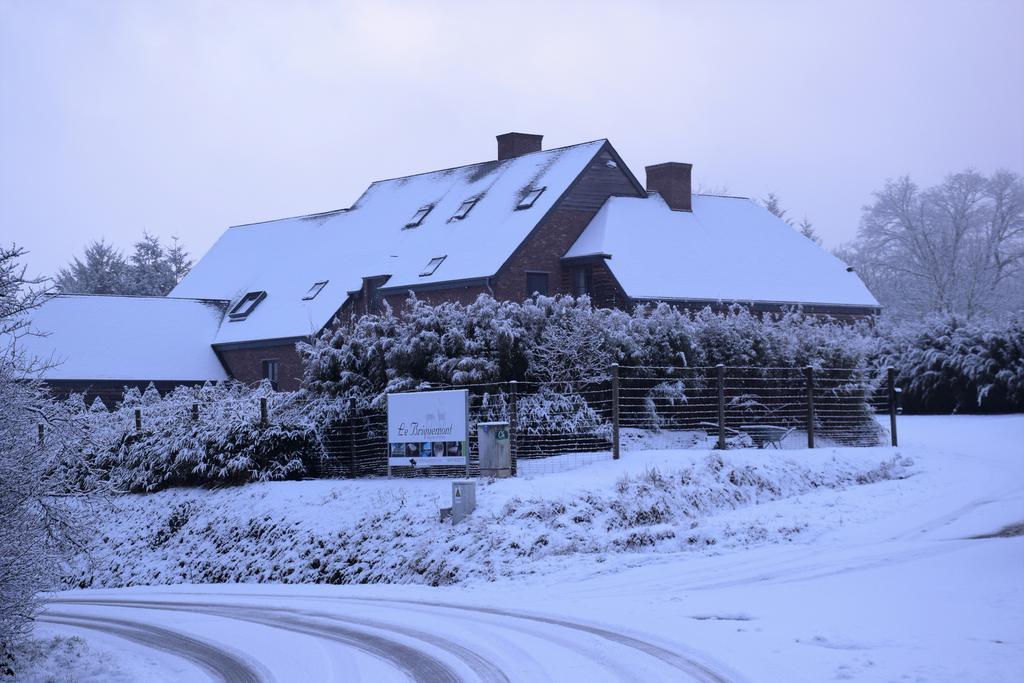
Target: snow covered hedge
949,365
559,340
375,532
227,444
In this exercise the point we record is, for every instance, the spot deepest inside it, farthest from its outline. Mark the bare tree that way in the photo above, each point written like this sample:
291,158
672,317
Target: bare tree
957,248
41,494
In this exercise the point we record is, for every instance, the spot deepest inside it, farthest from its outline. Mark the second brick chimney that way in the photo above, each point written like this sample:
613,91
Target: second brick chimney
517,144
672,182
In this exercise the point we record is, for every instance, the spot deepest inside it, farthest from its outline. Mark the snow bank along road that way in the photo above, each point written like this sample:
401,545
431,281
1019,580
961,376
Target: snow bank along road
916,579
276,634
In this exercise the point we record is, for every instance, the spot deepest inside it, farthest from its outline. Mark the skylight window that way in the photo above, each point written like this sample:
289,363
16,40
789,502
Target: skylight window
418,217
432,266
314,290
531,197
246,305
465,208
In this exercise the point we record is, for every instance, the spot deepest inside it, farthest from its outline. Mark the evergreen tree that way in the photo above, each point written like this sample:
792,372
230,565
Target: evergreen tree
150,270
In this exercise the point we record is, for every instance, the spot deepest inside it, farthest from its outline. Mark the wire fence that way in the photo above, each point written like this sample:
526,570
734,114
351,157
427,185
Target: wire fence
559,426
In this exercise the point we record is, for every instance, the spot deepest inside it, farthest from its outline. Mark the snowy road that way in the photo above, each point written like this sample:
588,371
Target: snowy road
299,637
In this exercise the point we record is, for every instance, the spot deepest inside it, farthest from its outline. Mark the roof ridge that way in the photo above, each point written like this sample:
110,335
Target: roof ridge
315,214
491,161
139,296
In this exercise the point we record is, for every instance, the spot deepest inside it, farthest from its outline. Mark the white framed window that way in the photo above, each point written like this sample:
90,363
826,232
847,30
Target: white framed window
270,371
432,266
531,197
315,289
246,305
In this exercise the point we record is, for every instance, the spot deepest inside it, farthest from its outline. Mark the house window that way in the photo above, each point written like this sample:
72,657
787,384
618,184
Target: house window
465,208
314,290
536,283
270,371
246,305
432,266
418,217
583,280
531,197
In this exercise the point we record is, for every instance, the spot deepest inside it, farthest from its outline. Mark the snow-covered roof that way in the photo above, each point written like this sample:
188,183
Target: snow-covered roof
284,258
727,249
94,337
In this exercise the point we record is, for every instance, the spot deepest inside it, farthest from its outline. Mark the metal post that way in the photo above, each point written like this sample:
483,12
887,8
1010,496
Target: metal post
263,411
615,411
352,440
891,372
809,374
42,432
513,425
195,412
138,419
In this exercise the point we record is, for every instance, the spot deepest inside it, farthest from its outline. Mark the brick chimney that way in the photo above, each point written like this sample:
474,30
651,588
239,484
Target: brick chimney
517,144
672,182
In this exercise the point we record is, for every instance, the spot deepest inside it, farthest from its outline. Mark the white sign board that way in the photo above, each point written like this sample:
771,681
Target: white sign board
428,428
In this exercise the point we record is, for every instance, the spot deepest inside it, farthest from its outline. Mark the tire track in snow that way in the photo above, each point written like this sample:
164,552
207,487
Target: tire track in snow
418,665
311,623
220,664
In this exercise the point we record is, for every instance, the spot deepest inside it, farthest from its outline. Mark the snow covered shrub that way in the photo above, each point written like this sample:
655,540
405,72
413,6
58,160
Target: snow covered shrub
226,445
950,365
551,411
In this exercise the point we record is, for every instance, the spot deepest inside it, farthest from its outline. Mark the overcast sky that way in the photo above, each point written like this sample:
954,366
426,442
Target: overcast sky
182,118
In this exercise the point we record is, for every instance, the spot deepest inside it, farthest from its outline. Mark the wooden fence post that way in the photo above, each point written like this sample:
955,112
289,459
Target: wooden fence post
264,420
720,372
138,419
615,411
809,374
42,434
195,412
891,372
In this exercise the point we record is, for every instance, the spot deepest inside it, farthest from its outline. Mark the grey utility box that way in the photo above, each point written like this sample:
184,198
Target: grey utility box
495,449
463,500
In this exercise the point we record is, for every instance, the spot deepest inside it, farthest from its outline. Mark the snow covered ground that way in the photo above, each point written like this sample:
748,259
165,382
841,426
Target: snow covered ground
820,573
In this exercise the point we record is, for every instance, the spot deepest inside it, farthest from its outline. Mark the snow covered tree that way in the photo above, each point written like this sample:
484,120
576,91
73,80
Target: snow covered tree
774,206
956,248
102,270
40,504
150,270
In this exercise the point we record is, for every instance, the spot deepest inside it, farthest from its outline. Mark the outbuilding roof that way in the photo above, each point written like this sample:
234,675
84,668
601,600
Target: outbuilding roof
93,337
727,249
475,217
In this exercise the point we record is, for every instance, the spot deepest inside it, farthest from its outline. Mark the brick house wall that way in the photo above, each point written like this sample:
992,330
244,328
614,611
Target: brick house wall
246,363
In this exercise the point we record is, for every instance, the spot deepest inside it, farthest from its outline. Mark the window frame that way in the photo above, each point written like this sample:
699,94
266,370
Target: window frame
270,368
428,271
526,202
468,205
246,305
420,215
530,291
315,290
583,281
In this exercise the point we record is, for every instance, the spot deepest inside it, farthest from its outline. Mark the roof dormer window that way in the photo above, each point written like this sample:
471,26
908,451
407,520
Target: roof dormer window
246,305
432,266
465,208
418,217
314,290
531,197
